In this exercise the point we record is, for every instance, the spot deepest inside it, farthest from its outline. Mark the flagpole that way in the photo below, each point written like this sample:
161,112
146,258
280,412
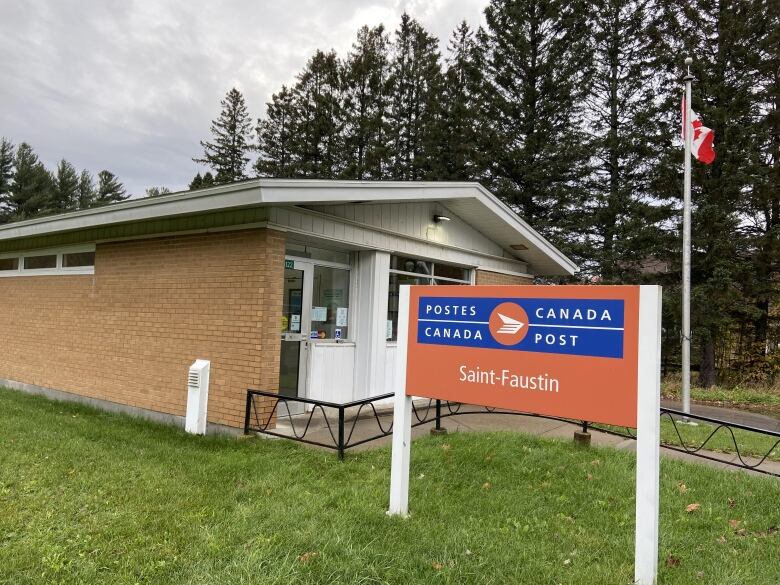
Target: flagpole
686,251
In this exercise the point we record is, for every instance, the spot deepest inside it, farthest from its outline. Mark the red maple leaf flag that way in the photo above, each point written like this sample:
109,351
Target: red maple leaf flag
701,138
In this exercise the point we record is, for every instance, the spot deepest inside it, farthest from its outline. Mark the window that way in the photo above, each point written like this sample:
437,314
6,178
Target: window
78,259
40,262
405,270
9,264
70,260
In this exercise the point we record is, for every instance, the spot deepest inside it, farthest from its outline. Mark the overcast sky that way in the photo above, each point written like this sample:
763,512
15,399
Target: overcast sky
131,86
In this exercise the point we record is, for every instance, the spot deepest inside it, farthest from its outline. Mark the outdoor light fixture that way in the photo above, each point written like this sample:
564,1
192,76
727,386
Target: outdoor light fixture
440,218
518,246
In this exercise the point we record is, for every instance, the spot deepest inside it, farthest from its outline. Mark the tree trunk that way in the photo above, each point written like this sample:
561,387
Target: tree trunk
707,374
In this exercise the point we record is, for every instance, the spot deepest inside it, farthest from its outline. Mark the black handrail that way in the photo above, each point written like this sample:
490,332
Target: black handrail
435,410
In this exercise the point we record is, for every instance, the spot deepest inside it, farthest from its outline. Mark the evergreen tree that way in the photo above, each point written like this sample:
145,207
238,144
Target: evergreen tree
316,144
461,124
536,63
6,175
65,195
275,136
620,223
208,180
157,191
196,183
416,82
721,35
365,78
86,190
31,191
227,153
109,189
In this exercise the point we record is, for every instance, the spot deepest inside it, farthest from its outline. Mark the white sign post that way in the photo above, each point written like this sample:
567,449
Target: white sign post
648,429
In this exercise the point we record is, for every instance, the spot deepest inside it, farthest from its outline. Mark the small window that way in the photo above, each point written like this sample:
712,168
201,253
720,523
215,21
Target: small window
40,262
404,264
78,259
449,271
9,263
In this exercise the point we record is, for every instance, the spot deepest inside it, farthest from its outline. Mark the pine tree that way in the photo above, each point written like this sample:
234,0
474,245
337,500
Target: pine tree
275,136
30,193
196,183
461,123
157,191
6,175
316,141
227,153
65,194
208,180
365,78
416,82
536,61
109,189
86,190
620,221
721,37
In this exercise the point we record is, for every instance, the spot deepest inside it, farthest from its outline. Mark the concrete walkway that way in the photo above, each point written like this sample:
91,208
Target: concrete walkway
356,430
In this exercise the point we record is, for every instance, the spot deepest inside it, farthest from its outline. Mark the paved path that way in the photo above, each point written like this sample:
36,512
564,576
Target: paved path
366,427
744,417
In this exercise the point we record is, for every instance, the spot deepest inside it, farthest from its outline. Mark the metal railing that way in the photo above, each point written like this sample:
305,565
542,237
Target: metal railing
334,425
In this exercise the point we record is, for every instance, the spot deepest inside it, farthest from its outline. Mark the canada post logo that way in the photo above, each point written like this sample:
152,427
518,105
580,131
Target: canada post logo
583,327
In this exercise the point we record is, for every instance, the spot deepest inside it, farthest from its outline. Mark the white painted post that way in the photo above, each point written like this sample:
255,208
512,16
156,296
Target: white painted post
648,436
402,416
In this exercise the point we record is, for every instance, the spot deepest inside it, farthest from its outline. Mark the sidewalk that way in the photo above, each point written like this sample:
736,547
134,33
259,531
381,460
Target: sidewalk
482,422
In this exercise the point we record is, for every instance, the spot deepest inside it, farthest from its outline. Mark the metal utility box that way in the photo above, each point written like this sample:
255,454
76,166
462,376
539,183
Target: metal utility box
197,397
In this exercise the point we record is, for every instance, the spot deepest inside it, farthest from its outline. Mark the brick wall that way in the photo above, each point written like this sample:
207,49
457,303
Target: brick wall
486,277
129,332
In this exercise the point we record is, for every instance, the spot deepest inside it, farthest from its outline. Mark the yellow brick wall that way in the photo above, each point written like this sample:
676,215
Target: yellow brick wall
486,277
129,332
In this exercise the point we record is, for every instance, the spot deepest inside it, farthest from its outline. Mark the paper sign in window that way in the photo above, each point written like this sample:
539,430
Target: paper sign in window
319,313
341,316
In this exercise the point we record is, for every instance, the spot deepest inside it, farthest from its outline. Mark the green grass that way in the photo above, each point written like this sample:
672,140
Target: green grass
751,444
89,497
762,397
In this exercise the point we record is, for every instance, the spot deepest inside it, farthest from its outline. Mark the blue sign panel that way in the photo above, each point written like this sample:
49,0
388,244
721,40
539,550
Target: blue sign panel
587,327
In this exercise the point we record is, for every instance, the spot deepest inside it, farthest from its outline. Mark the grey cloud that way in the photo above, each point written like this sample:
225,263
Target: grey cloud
133,86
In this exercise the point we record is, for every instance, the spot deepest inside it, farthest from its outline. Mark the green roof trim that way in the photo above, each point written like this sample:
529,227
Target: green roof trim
151,228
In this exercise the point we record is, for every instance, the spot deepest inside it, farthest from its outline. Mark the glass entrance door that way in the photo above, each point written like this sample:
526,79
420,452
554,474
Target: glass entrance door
293,326
315,309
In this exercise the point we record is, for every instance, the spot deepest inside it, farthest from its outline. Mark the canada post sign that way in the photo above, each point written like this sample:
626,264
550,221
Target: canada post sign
568,351
586,327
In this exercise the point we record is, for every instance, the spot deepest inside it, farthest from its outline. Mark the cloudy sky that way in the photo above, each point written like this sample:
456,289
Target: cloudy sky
132,85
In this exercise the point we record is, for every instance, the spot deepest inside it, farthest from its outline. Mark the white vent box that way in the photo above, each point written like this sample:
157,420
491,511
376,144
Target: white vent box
197,397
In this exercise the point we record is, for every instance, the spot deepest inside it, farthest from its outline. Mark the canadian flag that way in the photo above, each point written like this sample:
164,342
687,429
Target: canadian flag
701,138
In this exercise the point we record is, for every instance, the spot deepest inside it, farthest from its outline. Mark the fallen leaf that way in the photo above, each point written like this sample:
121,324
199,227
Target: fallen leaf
700,574
446,447
421,476
741,532
735,523
771,531
721,539
567,562
468,552
682,487
672,561
692,507
732,503
437,566
590,477
486,485
307,556
596,462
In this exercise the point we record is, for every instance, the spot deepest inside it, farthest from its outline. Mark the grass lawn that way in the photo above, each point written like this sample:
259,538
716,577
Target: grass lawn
89,497
750,444
758,398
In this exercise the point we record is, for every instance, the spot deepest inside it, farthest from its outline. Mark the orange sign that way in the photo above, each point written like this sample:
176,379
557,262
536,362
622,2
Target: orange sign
566,351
